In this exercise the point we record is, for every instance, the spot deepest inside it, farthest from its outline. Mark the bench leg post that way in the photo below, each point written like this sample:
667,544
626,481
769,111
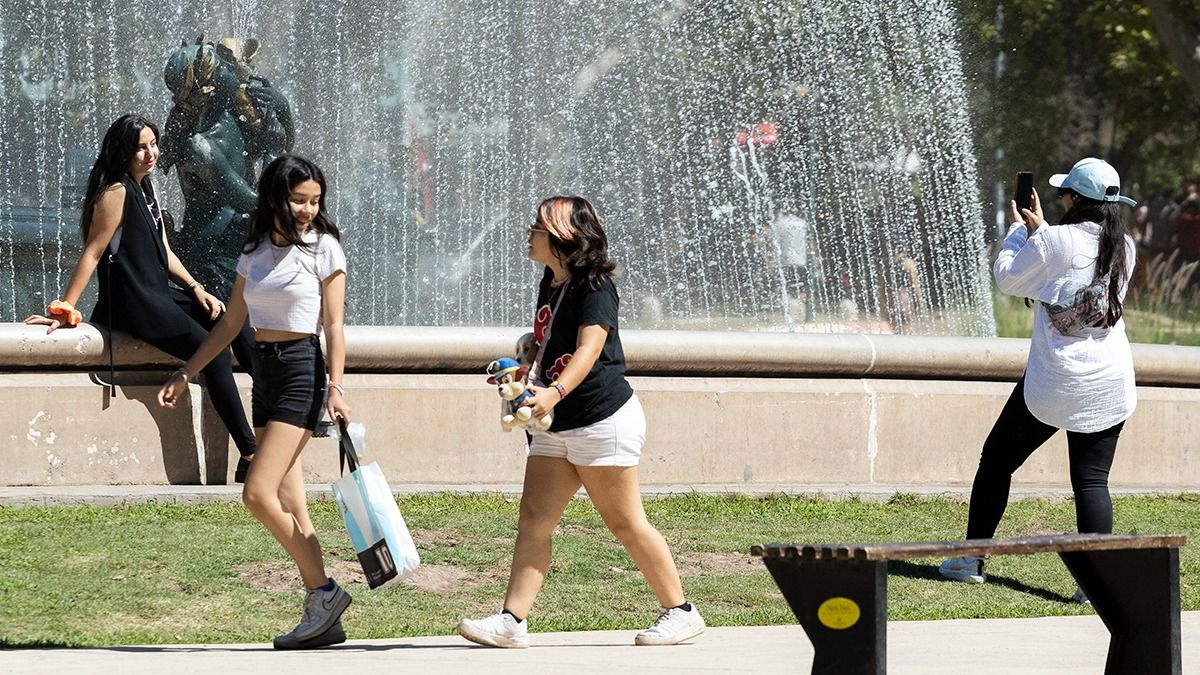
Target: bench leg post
1136,594
817,591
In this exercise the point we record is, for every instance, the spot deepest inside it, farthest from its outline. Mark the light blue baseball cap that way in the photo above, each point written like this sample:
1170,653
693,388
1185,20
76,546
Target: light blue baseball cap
1093,178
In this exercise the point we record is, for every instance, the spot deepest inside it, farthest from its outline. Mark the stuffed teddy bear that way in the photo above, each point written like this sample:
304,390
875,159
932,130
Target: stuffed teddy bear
506,374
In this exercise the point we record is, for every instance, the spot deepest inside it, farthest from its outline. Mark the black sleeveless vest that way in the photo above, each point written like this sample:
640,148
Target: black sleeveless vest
133,281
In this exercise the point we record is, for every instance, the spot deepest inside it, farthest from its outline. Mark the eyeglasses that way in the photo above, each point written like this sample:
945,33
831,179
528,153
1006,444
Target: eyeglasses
534,229
1063,192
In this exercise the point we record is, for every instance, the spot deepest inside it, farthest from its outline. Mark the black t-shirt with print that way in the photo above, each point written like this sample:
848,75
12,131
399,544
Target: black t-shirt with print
605,389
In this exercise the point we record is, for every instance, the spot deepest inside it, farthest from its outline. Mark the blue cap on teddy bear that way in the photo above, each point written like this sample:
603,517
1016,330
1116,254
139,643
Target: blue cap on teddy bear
501,367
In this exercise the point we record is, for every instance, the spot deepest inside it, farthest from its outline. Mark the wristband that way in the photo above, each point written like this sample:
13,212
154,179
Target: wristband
65,312
562,391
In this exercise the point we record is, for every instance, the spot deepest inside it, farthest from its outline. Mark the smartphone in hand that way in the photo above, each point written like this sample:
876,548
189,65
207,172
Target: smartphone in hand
1024,193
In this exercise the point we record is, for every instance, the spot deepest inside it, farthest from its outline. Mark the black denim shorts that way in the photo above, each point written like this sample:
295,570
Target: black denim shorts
289,383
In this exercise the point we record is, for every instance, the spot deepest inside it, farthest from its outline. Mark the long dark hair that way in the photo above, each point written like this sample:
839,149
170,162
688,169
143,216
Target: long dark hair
1114,228
275,191
112,165
576,233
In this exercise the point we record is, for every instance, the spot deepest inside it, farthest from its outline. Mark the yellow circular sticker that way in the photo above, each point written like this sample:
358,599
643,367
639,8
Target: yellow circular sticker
838,613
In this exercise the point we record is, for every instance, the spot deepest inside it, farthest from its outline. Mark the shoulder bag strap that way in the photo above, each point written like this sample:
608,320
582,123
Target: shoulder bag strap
534,373
346,450
112,369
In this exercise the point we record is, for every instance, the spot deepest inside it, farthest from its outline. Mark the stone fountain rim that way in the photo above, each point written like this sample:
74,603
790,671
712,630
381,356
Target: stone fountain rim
448,350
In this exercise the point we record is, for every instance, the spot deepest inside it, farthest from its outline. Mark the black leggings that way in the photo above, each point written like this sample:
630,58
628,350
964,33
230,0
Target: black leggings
218,374
1014,437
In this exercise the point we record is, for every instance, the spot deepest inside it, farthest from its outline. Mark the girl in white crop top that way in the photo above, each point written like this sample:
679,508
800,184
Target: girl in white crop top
291,282
283,283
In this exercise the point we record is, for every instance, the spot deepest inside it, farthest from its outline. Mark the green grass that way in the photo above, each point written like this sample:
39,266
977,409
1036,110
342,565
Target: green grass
180,574
1013,318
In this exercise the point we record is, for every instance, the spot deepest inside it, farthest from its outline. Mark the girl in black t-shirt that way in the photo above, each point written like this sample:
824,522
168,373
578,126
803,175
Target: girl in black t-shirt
596,438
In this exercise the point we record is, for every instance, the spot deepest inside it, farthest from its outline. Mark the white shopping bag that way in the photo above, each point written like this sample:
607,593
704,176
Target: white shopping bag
376,528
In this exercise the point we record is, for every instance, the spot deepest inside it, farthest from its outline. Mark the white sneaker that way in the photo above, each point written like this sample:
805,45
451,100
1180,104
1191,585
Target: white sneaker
322,609
497,630
968,568
672,626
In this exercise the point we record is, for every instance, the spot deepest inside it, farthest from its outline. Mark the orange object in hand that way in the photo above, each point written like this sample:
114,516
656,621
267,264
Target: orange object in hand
65,312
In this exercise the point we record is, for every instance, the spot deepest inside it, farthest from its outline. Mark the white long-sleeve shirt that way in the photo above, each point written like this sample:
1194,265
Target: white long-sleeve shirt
1078,382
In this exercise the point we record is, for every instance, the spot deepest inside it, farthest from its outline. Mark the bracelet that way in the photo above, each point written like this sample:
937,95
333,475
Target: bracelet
338,386
562,391
194,284
182,372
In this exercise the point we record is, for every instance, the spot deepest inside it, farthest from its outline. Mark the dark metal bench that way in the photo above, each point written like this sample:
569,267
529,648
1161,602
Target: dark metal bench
839,593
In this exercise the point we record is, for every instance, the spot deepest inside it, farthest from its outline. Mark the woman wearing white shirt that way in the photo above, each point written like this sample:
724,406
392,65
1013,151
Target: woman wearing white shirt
291,282
1080,371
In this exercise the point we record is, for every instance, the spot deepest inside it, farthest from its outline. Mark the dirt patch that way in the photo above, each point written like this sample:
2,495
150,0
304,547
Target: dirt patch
85,560
705,564
441,578
573,529
1038,531
430,538
710,564
277,576
283,576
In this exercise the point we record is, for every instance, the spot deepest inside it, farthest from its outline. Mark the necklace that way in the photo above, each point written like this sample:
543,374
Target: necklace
152,207
278,253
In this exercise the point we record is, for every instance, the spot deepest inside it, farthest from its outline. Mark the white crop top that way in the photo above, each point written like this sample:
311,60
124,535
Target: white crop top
283,283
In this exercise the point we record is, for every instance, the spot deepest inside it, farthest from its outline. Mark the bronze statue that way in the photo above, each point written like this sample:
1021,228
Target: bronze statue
225,124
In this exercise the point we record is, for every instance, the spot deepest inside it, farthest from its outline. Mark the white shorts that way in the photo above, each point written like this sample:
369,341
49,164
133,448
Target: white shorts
616,440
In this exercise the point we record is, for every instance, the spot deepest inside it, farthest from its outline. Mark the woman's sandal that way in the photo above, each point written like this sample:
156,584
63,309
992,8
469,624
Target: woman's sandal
243,465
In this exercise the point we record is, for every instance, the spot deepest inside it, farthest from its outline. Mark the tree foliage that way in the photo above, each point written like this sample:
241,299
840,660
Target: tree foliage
1058,80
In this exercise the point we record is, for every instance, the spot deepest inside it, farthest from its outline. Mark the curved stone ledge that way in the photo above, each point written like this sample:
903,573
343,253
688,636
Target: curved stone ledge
723,408
424,349
753,432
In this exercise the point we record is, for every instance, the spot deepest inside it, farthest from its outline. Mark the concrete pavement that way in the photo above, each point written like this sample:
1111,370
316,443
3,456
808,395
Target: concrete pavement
1060,645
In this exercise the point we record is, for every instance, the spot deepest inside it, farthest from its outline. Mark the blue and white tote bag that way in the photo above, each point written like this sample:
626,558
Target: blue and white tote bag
377,530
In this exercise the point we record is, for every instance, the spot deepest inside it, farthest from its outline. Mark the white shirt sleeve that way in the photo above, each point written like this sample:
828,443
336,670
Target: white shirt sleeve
1021,267
330,258
243,265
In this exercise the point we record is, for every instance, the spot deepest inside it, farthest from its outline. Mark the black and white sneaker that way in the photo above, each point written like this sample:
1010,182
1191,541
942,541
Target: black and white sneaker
968,568
673,625
336,635
1080,597
322,609
497,630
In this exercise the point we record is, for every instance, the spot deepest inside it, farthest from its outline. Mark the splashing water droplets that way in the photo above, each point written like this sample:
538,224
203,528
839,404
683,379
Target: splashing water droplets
760,166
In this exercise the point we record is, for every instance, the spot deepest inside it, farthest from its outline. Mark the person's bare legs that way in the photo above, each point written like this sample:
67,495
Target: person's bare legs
617,496
550,482
274,493
294,501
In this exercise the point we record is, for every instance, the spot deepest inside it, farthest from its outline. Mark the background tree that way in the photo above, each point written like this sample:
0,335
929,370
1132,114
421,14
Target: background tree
1056,81
1178,35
